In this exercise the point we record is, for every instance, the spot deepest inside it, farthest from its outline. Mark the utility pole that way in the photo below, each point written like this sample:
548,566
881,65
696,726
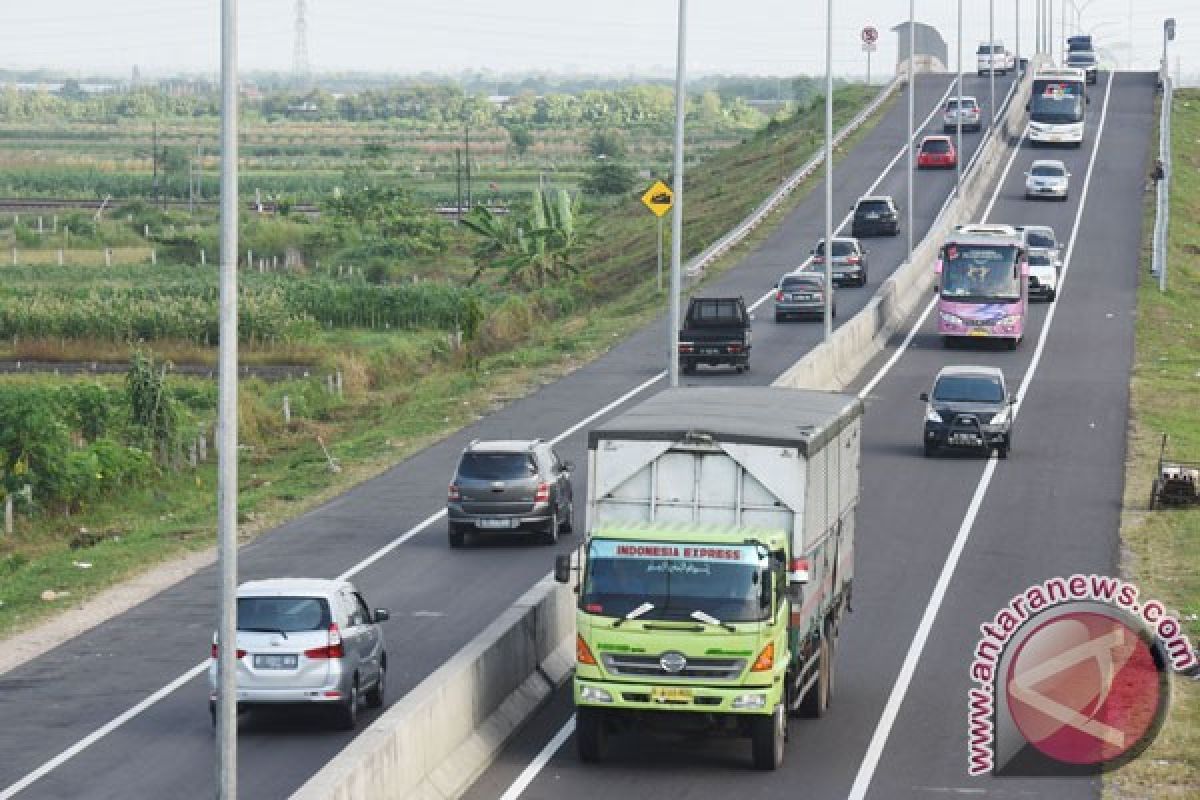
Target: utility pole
227,415
458,206
912,101
828,169
467,158
958,116
992,60
677,189
1019,71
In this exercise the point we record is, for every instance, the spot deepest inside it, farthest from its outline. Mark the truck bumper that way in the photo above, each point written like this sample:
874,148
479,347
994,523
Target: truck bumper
636,697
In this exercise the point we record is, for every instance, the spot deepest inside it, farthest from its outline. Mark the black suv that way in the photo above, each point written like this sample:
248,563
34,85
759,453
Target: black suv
875,216
969,408
506,486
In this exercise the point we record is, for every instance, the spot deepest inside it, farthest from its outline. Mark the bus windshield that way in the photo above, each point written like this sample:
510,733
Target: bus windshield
976,273
1057,102
677,580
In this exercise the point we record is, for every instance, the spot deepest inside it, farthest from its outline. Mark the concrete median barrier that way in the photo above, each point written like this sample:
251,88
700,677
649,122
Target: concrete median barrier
834,364
434,742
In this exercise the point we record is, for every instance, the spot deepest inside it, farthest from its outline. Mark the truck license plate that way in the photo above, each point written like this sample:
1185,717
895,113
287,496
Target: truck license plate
671,694
978,332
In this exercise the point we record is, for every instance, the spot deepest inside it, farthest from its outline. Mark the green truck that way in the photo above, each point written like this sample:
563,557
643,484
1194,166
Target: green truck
718,564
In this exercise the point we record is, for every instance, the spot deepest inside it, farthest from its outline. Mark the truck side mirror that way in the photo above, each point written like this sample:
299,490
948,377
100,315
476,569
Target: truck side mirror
924,396
562,568
798,572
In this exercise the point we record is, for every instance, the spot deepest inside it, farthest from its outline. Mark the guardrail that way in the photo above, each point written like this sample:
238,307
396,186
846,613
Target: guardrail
695,266
1162,214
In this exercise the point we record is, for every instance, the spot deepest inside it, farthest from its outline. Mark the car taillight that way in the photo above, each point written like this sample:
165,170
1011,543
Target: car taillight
685,348
215,650
852,260
779,295
333,647
543,493
452,493
735,348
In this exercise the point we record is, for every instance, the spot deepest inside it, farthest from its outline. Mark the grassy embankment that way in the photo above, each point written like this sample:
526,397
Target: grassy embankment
1162,548
402,390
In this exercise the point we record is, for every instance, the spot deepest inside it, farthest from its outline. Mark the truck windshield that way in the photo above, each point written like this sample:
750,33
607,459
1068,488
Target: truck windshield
980,273
715,313
723,581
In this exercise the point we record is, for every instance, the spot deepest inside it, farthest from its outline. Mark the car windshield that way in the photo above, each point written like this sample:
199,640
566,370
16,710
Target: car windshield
1047,171
968,104
801,285
1036,238
1040,260
496,466
935,146
676,579
285,614
873,207
968,389
980,273
1057,102
840,249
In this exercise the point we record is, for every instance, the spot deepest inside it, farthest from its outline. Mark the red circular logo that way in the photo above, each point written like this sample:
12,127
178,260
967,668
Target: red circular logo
1084,688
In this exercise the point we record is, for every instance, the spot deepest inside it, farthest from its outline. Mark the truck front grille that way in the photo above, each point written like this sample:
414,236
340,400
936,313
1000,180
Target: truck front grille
698,668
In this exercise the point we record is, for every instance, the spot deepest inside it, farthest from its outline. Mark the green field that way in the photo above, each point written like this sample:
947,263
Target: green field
1162,548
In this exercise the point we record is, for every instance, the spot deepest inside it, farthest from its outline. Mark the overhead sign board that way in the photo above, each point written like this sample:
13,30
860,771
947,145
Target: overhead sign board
659,198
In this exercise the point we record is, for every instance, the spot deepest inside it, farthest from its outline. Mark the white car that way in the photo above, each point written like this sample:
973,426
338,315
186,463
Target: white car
1039,237
1043,274
1048,178
994,57
971,116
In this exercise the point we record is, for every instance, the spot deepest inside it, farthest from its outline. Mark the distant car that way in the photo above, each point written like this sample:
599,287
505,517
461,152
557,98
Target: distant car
995,57
1043,274
971,116
303,642
875,215
849,261
802,294
510,485
1086,61
937,151
1048,178
1041,237
968,408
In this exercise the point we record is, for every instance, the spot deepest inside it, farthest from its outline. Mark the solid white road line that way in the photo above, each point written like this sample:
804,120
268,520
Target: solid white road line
539,762
870,762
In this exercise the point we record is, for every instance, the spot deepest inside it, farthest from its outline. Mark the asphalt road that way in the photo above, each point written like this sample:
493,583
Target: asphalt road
439,599
1052,509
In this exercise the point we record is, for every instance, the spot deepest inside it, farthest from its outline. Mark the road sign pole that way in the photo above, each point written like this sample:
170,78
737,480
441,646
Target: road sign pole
958,115
868,66
912,134
227,404
659,253
677,218
828,170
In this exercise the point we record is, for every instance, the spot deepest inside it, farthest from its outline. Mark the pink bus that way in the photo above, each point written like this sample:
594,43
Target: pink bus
982,277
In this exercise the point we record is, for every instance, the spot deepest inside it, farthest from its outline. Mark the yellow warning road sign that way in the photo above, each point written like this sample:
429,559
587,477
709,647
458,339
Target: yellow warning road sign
659,198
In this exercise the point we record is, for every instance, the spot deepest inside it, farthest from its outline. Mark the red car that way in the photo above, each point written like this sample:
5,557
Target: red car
937,151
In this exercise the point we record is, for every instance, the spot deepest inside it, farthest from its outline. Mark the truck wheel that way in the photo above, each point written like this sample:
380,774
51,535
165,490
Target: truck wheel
767,738
591,737
455,535
550,535
930,450
816,702
568,522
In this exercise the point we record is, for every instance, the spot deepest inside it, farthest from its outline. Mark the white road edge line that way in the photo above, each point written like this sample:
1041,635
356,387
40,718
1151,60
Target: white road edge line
870,762
543,757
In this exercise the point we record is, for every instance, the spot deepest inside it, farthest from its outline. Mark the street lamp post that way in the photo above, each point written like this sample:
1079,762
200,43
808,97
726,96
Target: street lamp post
958,116
912,104
677,206
992,60
828,169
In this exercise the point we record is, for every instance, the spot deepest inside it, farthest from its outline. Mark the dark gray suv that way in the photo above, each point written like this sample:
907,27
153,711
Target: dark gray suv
507,486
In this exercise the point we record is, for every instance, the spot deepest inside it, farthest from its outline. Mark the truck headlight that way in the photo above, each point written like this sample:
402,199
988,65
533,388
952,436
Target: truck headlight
754,700
933,416
594,694
950,319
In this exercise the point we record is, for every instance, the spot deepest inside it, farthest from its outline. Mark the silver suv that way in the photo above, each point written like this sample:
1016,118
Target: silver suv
305,641
506,486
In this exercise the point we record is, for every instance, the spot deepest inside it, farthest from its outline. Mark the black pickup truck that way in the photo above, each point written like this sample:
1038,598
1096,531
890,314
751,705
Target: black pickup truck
716,330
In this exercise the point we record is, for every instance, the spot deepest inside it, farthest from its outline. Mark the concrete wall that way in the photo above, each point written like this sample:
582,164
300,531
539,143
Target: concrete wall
434,742
835,364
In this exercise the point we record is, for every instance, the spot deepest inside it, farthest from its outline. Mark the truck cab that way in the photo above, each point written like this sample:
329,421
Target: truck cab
718,565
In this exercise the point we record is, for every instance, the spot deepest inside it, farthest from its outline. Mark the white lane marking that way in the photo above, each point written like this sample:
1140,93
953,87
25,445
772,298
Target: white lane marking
100,733
543,757
539,762
870,762
120,720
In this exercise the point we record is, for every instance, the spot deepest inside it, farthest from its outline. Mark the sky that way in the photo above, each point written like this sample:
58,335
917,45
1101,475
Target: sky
761,37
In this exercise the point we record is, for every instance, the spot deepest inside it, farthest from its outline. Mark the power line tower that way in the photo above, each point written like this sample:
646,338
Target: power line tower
301,70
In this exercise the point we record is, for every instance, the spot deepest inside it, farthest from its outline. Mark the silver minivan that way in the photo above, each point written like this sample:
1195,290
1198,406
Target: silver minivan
305,641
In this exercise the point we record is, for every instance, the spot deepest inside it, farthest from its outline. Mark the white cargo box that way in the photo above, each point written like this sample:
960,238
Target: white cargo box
749,458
